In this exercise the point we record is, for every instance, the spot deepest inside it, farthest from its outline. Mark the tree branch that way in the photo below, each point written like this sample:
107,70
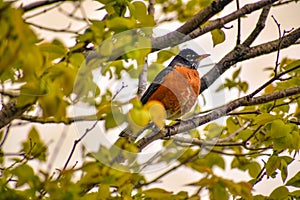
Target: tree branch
241,53
186,125
75,145
220,22
259,26
244,101
39,4
61,30
238,37
174,38
10,111
67,121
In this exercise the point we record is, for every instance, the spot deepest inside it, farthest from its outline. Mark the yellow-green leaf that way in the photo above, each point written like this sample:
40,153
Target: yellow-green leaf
279,129
218,36
294,181
264,118
280,193
272,164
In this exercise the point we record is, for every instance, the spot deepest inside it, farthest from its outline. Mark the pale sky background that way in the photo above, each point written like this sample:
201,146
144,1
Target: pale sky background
252,71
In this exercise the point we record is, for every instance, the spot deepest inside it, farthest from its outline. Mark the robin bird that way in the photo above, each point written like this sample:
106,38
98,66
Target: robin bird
177,86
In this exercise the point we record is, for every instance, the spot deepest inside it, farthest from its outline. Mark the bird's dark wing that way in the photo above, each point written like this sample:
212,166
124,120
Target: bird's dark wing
159,79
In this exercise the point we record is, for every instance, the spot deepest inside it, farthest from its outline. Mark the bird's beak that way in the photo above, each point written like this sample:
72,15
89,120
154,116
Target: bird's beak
202,57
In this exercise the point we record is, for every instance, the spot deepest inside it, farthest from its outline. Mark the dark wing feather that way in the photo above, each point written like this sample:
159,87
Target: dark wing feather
159,79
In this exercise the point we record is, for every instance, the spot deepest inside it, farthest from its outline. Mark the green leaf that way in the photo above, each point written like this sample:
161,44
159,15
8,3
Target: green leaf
218,192
114,117
242,189
213,130
157,193
272,164
34,146
260,197
292,65
236,73
279,129
295,194
294,181
104,1
139,10
280,193
254,169
76,59
231,125
52,51
120,23
264,118
25,175
218,36
245,134
153,69
164,55
283,169
106,48
104,191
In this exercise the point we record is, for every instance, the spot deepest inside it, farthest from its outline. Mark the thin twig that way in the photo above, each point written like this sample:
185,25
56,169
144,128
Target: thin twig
5,135
85,17
280,36
252,135
71,14
74,146
279,44
237,154
235,133
272,80
43,11
62,30
39,4
200,142
119,90
238,39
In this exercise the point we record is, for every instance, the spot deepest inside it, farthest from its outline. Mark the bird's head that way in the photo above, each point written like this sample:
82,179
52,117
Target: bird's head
188,58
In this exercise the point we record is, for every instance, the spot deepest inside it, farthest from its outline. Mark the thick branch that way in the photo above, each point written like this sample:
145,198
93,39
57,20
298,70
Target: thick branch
219,23
222,111
174,38
186,125
10,111
191,29
241,53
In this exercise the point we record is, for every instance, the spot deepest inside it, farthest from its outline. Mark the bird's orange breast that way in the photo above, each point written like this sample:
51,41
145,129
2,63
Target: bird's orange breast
178,92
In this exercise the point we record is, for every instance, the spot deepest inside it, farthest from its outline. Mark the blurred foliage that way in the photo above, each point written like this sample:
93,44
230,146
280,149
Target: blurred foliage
51,78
